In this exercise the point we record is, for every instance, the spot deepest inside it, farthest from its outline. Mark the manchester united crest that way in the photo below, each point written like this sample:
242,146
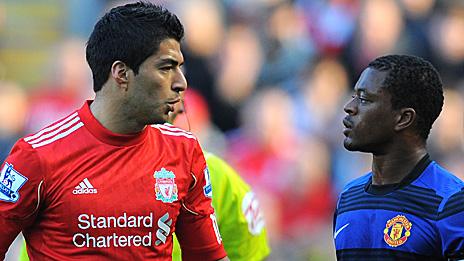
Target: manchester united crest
397,230
165,186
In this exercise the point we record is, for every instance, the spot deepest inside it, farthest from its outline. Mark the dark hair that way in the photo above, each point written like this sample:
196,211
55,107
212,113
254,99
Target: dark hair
129,33
413,82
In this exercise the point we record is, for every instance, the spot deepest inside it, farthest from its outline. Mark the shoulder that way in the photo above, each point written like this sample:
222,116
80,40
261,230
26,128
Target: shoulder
58,131
170,132
446,185
357,183
437,178
176,142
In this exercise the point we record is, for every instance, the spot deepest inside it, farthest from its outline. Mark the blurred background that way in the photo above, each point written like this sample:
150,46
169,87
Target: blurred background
267,83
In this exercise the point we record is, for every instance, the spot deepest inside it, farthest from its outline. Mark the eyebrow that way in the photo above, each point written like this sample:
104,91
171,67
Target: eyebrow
364,91
170,61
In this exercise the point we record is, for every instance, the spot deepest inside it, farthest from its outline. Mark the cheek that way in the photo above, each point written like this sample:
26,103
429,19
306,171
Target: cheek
377,127
373,123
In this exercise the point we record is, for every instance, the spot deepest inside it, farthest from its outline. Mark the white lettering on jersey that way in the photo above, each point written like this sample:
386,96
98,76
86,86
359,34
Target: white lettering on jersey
91,222
114,240
85,187
216,228
252,212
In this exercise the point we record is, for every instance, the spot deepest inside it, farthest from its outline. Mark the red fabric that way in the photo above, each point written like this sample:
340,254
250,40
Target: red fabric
98,194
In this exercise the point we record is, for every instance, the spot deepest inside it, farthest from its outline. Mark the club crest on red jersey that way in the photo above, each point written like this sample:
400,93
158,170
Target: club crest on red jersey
10,183
397,230
165,186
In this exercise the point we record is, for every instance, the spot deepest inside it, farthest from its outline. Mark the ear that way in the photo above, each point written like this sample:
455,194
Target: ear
405,118
120,73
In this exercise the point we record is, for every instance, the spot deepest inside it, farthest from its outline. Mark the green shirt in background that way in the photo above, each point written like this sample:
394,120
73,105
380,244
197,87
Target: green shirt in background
237,210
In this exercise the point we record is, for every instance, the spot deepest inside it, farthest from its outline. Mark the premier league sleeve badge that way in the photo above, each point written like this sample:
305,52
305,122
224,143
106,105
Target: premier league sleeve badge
10,183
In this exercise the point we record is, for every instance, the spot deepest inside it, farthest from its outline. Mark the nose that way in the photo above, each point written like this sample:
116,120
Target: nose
180,83
350,107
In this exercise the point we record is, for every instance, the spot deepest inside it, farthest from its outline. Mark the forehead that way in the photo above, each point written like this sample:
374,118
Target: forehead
371,81
169,49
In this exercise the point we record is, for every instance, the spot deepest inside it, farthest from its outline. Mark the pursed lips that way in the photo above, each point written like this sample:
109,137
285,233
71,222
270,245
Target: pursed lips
348,126
347,123
171,103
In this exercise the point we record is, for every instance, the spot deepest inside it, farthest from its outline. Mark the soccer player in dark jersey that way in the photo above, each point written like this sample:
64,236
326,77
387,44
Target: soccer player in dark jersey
111,181
408,207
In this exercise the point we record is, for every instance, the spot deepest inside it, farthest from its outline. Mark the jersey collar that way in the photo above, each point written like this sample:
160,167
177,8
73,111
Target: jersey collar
413,175
105,135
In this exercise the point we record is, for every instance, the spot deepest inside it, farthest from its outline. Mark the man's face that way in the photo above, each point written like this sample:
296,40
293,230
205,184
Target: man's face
369,123
156,88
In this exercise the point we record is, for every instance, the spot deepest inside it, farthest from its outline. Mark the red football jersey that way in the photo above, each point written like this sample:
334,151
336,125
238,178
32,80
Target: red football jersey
79,191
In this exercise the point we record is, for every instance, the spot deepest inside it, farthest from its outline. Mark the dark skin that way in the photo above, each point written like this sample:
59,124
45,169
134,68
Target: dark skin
373,126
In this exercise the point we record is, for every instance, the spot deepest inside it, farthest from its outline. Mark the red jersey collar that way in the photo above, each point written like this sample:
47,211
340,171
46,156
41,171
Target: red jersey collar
105,135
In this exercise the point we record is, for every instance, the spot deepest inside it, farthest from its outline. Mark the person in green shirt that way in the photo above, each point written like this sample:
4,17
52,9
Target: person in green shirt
237,210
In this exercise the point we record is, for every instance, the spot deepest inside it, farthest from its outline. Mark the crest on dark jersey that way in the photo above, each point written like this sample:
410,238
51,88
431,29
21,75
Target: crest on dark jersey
397,230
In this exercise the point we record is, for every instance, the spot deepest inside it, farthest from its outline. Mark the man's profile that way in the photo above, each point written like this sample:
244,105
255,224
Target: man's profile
408,207
111,181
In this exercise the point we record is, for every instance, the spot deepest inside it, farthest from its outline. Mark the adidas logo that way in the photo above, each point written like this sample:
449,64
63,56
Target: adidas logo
84,188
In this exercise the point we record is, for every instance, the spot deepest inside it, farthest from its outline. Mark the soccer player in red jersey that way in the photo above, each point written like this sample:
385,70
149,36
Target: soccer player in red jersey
111,181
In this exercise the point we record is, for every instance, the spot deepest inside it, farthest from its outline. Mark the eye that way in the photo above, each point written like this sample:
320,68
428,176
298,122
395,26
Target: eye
362,100
166,68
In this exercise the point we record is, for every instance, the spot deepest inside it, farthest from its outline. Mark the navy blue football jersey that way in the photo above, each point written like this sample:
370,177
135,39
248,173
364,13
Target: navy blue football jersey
420,218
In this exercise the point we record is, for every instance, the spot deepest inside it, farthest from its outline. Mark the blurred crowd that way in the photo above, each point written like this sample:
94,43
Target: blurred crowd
267,83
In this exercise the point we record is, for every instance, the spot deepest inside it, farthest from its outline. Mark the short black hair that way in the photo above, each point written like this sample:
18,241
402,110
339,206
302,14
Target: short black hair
129,33
413,82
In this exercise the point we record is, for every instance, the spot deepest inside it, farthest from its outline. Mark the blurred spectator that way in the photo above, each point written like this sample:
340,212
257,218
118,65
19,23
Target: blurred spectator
13,108
287,47
241,56
447,145
318,102
279,164
448,32
417,18
197,120
380,24
69,83
331,23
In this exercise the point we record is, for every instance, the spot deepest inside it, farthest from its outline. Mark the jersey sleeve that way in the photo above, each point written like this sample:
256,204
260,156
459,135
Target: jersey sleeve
240,218
196,226
451,227
21,179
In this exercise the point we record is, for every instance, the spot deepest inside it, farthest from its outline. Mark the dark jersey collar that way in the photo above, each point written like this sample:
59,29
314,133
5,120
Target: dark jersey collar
414,174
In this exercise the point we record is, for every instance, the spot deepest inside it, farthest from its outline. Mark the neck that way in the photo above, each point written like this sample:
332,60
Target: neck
394,166
114,116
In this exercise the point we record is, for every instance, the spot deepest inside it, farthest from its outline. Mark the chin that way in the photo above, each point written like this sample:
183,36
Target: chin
157,121
348,144
159,118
